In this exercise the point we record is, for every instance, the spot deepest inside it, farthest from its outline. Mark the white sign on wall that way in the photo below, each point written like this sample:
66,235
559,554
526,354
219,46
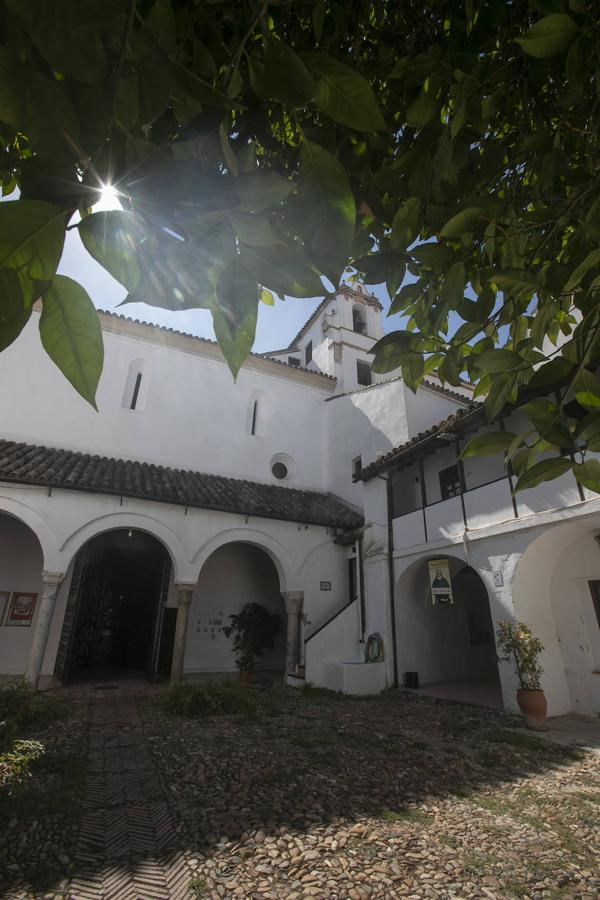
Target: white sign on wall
209,625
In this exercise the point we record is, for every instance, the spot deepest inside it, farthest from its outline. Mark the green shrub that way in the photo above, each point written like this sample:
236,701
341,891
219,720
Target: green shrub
15,764
214,698
22,710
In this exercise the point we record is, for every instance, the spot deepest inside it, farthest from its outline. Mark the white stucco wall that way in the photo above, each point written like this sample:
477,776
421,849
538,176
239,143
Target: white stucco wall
426,408
20,570
192,414
362,423
434,640
551,595
232,576
64,521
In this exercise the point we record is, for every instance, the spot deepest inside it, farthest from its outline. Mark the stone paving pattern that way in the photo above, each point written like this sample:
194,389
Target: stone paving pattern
319,796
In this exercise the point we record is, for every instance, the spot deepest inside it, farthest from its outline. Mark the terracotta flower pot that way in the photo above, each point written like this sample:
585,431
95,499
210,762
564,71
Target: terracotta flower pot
533,707
246,676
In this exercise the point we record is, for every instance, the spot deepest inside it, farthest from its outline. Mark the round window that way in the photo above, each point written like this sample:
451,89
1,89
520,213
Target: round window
279,470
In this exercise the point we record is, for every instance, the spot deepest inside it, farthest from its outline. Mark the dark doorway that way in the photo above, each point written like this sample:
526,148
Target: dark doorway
119,625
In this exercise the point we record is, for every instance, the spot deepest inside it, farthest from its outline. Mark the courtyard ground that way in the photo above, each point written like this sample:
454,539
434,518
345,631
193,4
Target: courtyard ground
315,795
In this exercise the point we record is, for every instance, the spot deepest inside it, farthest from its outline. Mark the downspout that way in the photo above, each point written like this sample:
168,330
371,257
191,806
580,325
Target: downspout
391,577
361,587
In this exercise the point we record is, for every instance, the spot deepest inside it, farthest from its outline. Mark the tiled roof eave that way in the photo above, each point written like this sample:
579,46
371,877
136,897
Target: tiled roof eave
426,441
56,469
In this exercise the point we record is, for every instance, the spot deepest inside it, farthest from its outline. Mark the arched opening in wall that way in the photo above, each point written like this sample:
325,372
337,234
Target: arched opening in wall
445,632
235,574
21,564
359,318
117,622
556,592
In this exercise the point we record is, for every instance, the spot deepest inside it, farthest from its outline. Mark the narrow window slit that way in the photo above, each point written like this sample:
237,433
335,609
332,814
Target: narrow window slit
136,390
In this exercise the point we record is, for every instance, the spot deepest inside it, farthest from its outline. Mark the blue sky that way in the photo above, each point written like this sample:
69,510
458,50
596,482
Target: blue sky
277,324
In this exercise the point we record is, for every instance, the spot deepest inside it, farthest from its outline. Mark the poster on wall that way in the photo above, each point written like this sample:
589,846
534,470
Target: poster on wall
441,584
21,609
4,597
209,625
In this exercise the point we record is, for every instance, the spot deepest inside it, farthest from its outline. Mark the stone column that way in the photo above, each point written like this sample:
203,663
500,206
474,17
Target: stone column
184,597
293,605
51,581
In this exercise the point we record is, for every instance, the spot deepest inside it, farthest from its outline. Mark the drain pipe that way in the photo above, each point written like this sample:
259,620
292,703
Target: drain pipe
391,577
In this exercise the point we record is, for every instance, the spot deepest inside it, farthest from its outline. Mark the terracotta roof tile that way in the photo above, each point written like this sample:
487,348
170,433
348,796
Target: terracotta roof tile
421,441
71,470
203,340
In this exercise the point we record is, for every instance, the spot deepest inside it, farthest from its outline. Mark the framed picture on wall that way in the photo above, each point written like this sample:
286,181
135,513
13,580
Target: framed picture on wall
4,598
21,609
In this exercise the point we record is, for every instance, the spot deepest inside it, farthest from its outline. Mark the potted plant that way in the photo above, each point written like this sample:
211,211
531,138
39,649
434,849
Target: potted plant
254,629
516,642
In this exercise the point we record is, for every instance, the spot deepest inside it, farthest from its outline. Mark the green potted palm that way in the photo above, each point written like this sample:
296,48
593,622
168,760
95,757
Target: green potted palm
254,630
518,645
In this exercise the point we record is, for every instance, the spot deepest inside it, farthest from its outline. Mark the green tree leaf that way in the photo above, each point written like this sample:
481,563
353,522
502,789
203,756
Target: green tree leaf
587,391
548,37
344,94
113,238
234,319
488,443
588,474
516,282
14,309
548,421
328,209
462,222
498,361
405,225
261,190
267,297
71,335
545,470
287,270
422,110
392,350
32,235
285,77
591,260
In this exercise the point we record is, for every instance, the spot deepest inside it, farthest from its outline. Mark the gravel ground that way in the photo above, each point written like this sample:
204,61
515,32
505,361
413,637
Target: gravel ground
333,797
39,822
394,796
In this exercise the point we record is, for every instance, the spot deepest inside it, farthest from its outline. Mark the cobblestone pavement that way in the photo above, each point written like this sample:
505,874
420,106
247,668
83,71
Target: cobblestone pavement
127,843
317,796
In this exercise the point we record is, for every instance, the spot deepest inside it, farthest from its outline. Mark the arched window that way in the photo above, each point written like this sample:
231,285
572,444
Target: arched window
359,319
137,383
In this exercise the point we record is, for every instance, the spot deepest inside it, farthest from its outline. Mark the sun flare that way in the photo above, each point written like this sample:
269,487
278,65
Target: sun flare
109,198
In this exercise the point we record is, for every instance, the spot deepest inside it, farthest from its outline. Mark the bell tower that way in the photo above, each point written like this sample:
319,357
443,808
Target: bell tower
338,337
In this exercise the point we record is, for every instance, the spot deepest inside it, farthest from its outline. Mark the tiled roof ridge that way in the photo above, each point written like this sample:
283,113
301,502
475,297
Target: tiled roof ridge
439,428
56,467
196,337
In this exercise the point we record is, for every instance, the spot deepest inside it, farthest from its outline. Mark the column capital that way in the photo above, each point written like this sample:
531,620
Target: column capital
53,578
293,601
184,592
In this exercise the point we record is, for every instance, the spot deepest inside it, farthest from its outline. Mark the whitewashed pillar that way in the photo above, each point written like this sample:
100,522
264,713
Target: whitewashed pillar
293,606
51,582
184,600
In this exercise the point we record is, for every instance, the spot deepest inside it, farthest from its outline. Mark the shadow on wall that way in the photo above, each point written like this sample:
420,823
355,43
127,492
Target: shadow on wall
232,576
553,595
444,642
